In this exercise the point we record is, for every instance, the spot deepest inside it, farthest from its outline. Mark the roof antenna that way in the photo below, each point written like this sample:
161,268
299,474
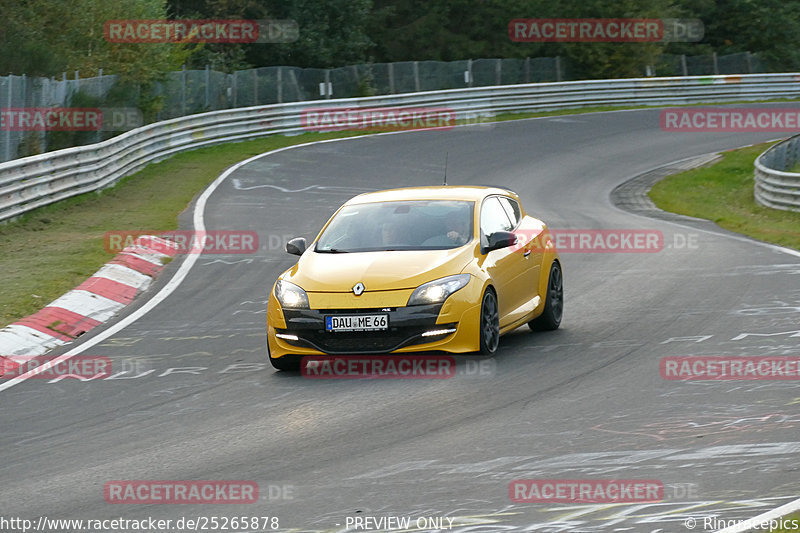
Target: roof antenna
446,154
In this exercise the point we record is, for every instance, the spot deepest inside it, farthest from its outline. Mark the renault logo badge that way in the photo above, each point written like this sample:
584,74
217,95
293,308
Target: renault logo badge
358,288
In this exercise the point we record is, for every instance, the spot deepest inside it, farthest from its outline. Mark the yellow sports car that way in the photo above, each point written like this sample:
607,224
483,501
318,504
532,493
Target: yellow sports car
418,269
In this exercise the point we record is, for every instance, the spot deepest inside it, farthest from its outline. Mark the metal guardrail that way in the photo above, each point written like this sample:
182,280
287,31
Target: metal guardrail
774,186
32,182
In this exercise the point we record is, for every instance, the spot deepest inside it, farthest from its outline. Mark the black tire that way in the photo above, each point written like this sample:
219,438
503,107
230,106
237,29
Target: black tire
289,363
550,318
490,324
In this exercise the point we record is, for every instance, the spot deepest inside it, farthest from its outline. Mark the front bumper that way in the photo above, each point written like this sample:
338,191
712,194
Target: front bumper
451,327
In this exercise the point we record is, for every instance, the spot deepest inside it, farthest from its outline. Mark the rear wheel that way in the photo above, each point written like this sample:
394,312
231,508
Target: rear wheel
490,323
550,318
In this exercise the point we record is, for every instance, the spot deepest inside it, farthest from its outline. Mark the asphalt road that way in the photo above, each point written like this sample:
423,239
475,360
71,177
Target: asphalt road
195,398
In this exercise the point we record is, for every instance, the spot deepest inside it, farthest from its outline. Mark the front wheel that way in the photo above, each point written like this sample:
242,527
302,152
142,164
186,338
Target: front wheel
490,324
550,318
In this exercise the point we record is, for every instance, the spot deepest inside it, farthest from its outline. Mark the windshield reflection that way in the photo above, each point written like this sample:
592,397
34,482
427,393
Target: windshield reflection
400,225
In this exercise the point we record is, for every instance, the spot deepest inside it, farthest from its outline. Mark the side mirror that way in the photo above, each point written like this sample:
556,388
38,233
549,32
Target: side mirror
500,239
296,246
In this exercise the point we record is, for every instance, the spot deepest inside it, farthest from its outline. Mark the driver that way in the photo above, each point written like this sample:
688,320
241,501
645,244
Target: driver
458,229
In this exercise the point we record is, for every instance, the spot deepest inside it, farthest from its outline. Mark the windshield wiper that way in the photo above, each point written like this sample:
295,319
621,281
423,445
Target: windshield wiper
332,251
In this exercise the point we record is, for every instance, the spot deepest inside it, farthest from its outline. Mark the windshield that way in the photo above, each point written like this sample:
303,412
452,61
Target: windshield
402,225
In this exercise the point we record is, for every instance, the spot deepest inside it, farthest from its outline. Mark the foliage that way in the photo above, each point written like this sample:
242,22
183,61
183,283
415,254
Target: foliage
46,37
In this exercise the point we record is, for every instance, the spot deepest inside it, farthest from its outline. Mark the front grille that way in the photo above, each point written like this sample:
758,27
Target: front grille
406,326
365,341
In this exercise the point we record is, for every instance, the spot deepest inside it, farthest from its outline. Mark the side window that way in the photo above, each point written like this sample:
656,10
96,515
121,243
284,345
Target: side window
494,217
512,209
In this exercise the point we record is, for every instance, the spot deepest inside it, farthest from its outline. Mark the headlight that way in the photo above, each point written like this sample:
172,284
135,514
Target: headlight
437,291
290,295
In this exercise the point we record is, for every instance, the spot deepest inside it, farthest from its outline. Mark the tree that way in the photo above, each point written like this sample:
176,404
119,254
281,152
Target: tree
333,33
47,37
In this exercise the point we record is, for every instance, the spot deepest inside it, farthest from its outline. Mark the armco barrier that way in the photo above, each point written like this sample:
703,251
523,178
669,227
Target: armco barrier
774,186
32,182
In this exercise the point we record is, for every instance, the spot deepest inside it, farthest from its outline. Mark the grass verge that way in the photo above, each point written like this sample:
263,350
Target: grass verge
723,193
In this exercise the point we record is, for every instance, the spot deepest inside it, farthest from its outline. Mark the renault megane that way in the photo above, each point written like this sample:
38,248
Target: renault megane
422,269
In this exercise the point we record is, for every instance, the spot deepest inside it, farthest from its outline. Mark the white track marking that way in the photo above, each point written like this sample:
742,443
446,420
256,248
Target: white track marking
239,187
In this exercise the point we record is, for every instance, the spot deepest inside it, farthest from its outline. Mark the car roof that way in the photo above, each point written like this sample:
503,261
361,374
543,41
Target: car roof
441,192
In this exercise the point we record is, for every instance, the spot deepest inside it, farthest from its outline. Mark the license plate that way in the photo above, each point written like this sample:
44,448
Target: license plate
357,322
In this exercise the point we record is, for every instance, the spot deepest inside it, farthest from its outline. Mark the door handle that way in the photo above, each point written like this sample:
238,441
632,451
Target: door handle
527,253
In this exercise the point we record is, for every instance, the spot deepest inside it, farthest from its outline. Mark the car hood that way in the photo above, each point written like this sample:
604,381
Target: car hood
323,272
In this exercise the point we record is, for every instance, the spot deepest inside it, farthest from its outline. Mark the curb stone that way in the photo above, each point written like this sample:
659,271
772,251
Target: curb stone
90,304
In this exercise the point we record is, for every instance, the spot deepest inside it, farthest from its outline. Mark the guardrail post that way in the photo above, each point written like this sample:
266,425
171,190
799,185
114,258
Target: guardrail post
296,86
498,67
43,134
98,134
255,86
328,88
208,88
558,68
183,90
527,70
391,78
684,67
416,76
234,87
468,73
8,132
280,85
716,65
206,94
749,62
